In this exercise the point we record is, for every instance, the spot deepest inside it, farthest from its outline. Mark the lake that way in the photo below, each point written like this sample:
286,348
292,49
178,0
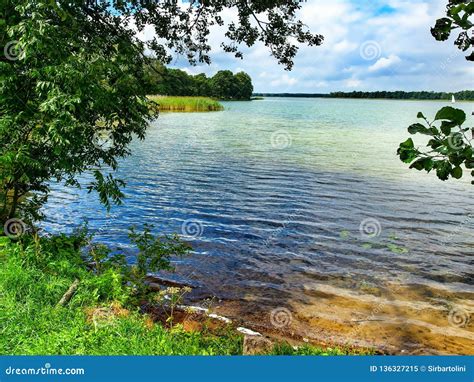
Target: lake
303,219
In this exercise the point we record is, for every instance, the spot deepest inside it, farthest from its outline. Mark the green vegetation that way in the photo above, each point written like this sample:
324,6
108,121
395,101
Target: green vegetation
459,13
103,316
451,143
464,95
286,349
99,319
74,76
223,85
186,103
74,81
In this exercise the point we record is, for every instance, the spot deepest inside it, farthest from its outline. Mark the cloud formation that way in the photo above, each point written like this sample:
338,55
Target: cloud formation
368,45
384,62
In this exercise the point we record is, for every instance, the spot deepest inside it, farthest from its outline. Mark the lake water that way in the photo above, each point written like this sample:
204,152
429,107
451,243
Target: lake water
273,194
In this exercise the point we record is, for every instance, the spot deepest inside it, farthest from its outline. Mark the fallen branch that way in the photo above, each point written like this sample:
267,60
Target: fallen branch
69,293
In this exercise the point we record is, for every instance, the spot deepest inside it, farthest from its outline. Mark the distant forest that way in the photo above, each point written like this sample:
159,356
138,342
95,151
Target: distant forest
465,95
224,85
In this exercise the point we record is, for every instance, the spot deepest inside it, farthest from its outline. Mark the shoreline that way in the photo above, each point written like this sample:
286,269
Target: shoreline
393,323
371,99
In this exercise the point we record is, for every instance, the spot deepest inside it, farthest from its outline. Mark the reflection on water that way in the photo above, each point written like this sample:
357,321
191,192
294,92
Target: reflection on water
289,200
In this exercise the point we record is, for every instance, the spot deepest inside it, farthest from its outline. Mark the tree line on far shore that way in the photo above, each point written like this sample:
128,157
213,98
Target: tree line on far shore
464,95
224,85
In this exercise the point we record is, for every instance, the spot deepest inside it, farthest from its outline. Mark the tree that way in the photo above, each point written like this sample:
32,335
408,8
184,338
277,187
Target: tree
155,77
244,85
223,85
450,147
201,85
176,82
72,81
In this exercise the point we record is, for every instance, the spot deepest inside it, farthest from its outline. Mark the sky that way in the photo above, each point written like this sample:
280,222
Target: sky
368,45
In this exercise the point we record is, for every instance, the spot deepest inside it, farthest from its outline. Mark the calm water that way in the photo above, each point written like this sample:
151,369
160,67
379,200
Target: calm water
272,195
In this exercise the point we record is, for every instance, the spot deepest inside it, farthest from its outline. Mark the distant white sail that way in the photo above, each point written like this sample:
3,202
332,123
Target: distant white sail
453,100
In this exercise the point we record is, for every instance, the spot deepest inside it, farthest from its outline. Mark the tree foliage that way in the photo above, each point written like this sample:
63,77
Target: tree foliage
223,85
458,13
451,143
464,95
73,75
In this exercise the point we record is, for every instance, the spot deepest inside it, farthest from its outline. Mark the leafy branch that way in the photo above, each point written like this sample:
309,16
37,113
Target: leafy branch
449,146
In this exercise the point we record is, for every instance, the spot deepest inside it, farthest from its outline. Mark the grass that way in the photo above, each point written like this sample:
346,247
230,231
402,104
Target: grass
32,281
100,319
186,104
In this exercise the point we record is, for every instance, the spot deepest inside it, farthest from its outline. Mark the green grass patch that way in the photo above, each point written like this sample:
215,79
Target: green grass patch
102,318
186,104
34,277
287,349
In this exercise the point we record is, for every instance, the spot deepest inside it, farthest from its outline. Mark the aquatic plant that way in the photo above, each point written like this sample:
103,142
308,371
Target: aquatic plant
186,104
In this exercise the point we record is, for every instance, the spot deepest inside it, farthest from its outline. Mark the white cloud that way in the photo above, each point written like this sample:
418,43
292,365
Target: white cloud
384,62
416,61
344,46
284,80
353,83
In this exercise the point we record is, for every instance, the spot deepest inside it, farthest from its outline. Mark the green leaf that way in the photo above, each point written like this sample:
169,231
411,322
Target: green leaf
469,163
408,144
419,128
456,159
446,127
434,143
468,152
451,114
418,164
443,169
420,115
423,164
456,172
407,152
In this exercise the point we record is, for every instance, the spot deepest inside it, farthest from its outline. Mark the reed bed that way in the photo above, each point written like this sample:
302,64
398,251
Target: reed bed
186,104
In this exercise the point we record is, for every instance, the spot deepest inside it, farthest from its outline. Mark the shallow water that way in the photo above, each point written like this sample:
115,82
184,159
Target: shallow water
273,193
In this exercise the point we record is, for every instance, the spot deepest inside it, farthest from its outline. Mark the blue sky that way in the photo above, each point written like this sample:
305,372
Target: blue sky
369,45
